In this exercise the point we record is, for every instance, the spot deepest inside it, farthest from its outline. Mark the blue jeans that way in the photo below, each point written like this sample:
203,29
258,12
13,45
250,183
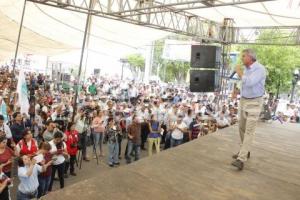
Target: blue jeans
132,147
98,140
44,183
175,142
113,153
22,196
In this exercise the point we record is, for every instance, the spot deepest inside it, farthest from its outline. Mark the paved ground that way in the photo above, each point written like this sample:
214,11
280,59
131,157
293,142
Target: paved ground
199,170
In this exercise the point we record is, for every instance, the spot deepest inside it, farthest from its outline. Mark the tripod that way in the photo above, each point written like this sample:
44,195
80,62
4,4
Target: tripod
80,155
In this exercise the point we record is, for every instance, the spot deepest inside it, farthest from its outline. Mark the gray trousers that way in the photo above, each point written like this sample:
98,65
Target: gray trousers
249,112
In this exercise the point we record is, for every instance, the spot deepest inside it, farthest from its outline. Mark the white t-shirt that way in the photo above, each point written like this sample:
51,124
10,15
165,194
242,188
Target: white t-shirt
188,120
58,159
177,134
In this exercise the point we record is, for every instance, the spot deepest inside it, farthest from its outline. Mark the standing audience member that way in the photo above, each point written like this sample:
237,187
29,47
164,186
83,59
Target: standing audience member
134,139
72,148
98,131
28,174
6,155
81,127
45,177
28,145
59,152
154,135
111,135
18,127
179,128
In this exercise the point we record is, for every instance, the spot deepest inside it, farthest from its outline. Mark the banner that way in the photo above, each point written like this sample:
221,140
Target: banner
22,91
177,50
3,109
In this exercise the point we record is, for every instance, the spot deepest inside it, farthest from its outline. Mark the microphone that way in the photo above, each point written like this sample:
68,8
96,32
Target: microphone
232,75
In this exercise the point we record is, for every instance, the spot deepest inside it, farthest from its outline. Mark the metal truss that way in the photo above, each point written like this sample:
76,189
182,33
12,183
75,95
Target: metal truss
172,16
281,35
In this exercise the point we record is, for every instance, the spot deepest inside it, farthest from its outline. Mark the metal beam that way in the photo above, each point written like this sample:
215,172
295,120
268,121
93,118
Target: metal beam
185,5
282,35
170,20
170,16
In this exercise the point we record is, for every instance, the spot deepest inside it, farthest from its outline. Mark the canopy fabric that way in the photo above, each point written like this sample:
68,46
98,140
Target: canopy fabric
50,30
31,42
269,13
107,37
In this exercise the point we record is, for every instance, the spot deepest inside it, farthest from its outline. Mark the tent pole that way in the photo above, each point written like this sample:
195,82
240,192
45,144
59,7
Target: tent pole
19,36
81,59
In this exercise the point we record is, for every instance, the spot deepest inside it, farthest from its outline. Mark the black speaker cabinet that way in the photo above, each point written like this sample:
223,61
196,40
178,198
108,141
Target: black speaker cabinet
204,80
204,56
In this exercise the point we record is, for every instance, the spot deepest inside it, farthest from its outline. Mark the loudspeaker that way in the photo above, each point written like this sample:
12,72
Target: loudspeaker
204,56
204,80
96,71
66,77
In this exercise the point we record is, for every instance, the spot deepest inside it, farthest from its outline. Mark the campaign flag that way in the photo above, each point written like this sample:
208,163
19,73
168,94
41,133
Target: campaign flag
22,91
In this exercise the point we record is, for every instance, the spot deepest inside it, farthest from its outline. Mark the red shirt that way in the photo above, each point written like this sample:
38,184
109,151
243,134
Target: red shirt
4,157
26,150
72,141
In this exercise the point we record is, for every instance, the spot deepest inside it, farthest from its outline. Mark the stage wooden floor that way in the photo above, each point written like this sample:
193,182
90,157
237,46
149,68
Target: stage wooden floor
201,170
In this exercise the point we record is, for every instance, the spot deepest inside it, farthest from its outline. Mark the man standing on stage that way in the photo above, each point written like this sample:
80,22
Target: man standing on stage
253,88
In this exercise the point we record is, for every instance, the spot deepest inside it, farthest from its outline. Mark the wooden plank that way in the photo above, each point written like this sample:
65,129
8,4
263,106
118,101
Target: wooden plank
200,170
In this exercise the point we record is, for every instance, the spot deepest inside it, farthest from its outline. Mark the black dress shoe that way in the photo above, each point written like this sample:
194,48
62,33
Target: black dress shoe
238,164
111,165
235,156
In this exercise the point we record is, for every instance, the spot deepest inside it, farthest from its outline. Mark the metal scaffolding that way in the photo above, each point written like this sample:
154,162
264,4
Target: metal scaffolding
173,16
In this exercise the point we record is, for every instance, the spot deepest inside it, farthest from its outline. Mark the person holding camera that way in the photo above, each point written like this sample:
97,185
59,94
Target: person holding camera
28,174
72,148
81,127
59,152
111,136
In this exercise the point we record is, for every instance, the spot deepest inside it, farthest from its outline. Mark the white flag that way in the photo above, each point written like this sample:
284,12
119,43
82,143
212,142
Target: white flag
22,91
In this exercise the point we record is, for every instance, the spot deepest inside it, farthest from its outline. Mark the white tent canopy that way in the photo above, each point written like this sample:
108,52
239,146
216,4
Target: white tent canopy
53,31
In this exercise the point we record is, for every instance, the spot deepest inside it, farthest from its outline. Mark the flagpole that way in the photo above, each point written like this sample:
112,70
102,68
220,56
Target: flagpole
81,59
19,37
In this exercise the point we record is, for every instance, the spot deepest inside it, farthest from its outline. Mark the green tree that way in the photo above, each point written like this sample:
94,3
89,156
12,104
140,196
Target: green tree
169,71
136,63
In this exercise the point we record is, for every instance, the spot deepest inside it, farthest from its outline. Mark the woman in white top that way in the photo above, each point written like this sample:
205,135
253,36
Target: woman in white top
59,152
28,174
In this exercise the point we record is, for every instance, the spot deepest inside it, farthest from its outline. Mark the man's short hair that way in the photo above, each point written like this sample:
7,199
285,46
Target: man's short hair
1,117
251,53
16,114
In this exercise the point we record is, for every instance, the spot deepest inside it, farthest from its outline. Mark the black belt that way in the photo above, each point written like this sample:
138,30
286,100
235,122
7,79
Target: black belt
251,98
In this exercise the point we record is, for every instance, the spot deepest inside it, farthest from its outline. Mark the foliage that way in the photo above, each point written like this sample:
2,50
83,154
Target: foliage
136,63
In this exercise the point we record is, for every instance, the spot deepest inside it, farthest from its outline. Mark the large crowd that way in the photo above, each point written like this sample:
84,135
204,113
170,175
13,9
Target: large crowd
52,137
